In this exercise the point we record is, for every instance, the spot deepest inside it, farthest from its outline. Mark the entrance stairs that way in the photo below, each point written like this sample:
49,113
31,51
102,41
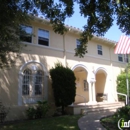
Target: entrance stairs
86,108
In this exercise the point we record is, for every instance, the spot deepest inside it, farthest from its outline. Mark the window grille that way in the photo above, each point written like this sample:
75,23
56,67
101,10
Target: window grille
99,49
38,82
26,81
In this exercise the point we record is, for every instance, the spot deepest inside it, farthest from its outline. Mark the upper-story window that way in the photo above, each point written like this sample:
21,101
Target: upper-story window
43,37
78,43
99,50
126,58
26,35
120,57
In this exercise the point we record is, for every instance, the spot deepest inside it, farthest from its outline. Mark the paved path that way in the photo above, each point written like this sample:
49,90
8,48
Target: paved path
92,121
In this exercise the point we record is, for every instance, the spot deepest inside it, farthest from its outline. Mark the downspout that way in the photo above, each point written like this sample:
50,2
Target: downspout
64,51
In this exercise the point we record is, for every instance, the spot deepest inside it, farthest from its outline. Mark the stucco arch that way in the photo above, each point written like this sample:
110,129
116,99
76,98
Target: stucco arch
101,68
79,65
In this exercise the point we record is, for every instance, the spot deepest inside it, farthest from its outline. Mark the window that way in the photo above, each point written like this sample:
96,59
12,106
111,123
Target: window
38,83
43,37
126,58
85,85
78,43
99,49
26,34
120,57
32,82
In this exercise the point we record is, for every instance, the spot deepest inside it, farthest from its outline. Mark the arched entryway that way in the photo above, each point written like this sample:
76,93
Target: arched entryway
81,75
101,76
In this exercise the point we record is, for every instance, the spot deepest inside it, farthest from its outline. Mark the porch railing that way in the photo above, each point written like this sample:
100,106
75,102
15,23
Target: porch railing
82,97
125,97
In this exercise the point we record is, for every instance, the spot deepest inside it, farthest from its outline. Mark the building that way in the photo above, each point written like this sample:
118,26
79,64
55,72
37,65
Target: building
29,80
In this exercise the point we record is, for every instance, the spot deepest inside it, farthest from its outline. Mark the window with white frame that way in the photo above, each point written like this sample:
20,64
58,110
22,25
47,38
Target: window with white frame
99,50
26,34
32,82
43,37
78,43
126,58
120,57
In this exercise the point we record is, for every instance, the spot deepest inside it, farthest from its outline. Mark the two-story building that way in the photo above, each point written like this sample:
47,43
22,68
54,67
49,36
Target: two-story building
29,80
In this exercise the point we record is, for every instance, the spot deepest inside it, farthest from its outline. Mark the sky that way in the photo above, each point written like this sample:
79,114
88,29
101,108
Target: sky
77,21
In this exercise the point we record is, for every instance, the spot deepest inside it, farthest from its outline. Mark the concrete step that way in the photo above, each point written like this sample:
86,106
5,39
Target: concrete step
99,108
80,108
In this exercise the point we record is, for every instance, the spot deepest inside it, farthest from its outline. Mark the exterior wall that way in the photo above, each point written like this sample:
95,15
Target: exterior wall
48,56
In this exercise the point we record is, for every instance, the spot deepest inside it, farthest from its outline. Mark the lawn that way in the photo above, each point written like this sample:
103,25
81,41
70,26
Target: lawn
54,123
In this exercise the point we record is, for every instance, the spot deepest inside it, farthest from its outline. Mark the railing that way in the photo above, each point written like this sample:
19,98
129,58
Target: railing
125,97
82,97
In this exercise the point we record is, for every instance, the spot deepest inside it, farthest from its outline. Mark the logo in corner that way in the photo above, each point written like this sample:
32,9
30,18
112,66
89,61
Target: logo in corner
122,124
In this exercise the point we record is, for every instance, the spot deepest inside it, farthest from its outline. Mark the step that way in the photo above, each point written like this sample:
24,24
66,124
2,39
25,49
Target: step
100,108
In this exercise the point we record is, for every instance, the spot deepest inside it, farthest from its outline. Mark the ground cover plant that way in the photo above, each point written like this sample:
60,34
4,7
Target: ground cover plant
53,123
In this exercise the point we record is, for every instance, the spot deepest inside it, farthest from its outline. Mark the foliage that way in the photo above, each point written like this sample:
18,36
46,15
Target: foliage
38,112
11,17
3,112
99,17
123,112
121,85
63,84
57,123
42,109
121,81
30,113
112,121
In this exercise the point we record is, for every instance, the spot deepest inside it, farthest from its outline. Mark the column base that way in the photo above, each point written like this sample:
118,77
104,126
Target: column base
92,102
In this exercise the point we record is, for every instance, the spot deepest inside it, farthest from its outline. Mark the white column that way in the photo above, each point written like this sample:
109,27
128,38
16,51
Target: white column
93,91
90,92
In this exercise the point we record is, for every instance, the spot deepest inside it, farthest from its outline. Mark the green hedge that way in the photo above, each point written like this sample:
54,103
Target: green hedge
63,84
121,85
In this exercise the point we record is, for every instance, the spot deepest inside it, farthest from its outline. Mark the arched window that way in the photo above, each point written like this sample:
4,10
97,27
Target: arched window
38,82
26,81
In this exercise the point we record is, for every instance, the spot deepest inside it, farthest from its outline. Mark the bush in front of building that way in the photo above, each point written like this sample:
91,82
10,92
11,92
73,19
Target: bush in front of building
63,84
122,86
39,111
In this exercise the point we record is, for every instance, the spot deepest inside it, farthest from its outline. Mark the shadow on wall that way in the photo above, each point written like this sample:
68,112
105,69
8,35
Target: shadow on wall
9,82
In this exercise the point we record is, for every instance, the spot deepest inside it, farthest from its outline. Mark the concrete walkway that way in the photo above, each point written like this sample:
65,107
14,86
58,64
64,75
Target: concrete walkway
92,121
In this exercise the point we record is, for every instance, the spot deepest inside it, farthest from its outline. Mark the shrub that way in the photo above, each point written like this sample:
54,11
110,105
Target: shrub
30,112
121,85
38,112
63,84
3,112
123,112
42,109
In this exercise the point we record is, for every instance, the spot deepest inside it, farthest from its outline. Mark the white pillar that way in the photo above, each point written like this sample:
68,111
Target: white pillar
93,91
90,92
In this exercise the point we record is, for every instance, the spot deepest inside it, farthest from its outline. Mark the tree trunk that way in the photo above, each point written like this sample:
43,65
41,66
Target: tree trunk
63,110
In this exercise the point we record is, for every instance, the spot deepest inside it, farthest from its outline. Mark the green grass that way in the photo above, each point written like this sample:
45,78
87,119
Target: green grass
54,123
